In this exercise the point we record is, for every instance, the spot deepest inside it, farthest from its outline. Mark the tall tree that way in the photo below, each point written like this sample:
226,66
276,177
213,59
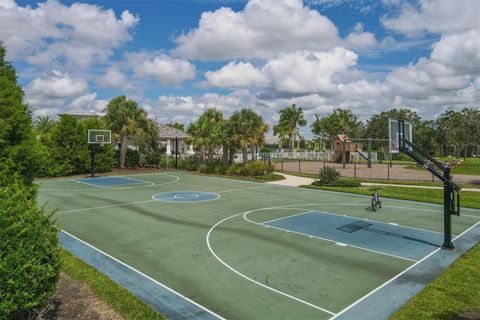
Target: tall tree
341,121
282,134
68,147
290,119
206,133
44,124
460,128
176,125
249,130
126,119
377,125
17,144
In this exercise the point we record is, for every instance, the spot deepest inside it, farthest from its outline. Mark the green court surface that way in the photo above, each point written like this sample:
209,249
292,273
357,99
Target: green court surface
245,250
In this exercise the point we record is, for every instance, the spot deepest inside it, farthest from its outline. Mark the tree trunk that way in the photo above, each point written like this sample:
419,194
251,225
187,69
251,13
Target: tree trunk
202,153
292,142
254,152
231,154
245,154
123,151
225,155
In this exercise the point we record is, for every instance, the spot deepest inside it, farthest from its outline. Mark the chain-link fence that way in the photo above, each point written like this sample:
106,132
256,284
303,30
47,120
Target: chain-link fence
378,171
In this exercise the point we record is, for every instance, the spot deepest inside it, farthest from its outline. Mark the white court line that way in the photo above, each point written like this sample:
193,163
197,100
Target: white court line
97,188
398,275
252,280
291,206
293,215
321,238
146,201
327,191
198,193
233,190
144,275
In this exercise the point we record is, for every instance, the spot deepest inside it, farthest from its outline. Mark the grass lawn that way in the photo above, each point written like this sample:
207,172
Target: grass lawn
455,292
469,166
468,199
122,301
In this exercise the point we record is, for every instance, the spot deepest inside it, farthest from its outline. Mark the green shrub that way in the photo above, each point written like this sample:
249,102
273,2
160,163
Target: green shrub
216,167
340,183
250,169
401,157
104,159
132,159
29,253
234,169
152,158
328,176
189,164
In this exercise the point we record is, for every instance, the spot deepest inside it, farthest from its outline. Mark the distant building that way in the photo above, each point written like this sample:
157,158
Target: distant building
79,116
168,135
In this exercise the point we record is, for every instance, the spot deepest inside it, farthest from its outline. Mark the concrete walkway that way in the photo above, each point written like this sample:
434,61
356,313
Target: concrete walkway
295,181
292,181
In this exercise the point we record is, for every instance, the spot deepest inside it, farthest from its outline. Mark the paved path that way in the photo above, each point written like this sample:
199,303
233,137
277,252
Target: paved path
292,181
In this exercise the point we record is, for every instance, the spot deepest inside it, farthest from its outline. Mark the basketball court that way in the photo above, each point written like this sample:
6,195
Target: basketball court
204,247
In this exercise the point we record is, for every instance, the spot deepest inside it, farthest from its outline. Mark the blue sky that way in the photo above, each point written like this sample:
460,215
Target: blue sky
179,57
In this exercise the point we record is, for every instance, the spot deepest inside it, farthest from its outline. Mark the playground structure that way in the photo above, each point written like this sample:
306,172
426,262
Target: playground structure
344,149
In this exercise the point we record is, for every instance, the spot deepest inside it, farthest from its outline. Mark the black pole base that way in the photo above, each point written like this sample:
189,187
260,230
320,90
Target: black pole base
448,246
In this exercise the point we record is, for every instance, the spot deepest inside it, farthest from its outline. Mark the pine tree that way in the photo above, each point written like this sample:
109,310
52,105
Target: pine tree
17,156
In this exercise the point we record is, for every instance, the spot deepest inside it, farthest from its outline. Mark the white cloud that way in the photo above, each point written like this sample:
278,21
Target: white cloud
79,34
57,86
188,108
263,29
436,16
309,72
359,39
88,103
236,74
164,69
113,79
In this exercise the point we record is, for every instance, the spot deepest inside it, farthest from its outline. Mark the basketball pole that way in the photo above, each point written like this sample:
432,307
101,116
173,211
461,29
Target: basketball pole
176,153
92,160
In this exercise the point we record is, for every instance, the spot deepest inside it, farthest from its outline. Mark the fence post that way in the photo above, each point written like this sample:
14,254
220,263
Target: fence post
299,170
433,178
354,170
369,153
323,164
388,172
282,164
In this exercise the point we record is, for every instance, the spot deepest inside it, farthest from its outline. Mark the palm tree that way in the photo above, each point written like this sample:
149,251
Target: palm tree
126,119
248,130
282,134
44,124
290,118
206,133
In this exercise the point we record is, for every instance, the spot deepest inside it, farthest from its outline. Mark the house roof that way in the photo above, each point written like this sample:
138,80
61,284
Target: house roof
168,132
342,137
